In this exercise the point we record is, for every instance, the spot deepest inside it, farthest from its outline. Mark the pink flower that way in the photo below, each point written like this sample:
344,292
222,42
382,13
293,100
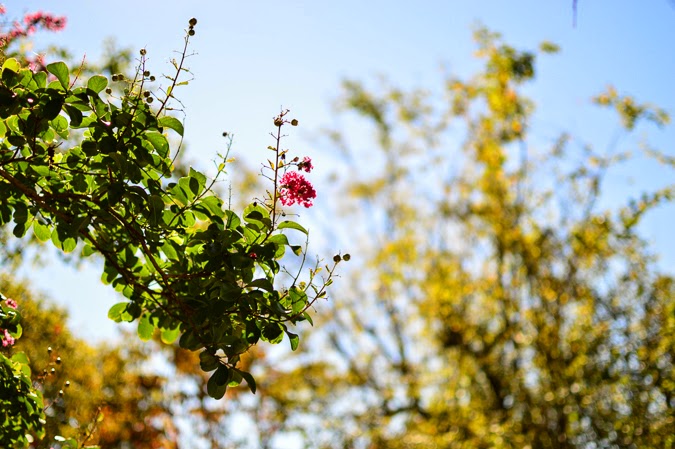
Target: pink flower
306,164
11,303
37,64
296,189
7,339
32,22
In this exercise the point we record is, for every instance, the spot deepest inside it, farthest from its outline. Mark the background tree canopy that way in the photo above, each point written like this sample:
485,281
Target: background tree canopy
498,304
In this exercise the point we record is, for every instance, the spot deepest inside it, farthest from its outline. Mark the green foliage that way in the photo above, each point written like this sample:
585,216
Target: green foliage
94,174
21,404
93,394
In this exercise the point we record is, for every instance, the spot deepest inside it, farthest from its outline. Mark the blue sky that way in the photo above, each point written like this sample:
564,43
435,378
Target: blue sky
254,57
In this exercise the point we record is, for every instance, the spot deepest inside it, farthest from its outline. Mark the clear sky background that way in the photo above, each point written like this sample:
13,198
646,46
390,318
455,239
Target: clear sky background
253,57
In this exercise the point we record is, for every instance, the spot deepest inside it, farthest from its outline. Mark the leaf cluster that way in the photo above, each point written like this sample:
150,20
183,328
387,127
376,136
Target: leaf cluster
187,266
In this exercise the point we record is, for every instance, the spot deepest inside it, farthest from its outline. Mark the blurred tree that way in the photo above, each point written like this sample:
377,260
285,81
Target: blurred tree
110,397
495,302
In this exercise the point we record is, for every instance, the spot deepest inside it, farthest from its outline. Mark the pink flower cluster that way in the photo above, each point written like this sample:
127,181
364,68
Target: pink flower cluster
296,189
48,21
5,336
305,164
7,339
31,23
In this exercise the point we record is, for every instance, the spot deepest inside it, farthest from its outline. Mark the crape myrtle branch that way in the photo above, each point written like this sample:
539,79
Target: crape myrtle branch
188,266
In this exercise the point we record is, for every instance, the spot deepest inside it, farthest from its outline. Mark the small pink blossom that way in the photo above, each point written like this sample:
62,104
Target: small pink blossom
11,303
296,189
3,10
306,164
37,64
7,339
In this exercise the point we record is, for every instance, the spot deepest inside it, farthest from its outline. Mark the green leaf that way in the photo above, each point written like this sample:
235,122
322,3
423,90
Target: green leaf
65,242
272,333
173,123
97,83
155,207
115,313
217,384
9,77
250,381
208,361
42,232
10,72
133,311
11,64
40,80
60,125
233,221
189,341
308,317
168,336
145,328
223,375
292,225
294,339
61,72
298,299
262,283
212,205
19,230
74,114
169,251
159,142
214,390
52,108
20,213
20,357
109,272
41,170
235,379
197,181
